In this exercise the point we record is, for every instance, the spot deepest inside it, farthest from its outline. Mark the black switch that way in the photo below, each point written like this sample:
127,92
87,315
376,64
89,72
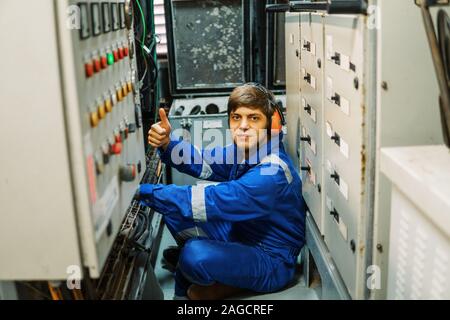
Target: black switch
132,128
307,78
306,139
307,108
335,177
335,214
337,99
307,169
307,46
336,138
337,58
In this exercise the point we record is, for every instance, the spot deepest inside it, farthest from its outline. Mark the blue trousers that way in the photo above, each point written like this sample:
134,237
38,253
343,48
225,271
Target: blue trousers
211,254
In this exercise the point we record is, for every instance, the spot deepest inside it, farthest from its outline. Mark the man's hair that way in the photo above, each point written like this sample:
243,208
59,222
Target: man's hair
253,97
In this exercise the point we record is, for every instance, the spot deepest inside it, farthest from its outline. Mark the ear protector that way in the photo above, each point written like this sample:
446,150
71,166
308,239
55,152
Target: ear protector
277,121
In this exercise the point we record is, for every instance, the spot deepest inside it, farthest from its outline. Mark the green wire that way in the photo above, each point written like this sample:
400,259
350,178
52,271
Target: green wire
144,24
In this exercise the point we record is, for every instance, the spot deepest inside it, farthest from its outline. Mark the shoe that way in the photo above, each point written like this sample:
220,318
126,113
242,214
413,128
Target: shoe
170,258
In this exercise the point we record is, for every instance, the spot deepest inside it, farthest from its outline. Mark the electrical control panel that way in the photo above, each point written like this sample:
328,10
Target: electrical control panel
89,97
111,123
360,89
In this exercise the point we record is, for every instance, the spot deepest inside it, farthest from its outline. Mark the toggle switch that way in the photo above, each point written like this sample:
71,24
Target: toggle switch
94,119
335,214
307,169
89,69
104,62
118,137
132,128
108,105
119,94
307,46
306,139
335,177
336,138
307,78
337,58
97,65
127,173
106,152
113,98
110,58
116,148
101,111
337,99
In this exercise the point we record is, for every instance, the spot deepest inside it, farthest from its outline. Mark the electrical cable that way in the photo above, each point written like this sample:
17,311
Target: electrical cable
144,33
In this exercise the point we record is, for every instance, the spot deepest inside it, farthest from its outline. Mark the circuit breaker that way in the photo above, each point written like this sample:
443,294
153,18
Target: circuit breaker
292,42
79,103
361,89
311,113
343,143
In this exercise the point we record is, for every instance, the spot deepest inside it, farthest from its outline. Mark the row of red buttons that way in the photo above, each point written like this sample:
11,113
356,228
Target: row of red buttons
101,63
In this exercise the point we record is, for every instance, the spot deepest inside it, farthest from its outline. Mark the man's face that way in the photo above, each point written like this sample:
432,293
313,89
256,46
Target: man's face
247,127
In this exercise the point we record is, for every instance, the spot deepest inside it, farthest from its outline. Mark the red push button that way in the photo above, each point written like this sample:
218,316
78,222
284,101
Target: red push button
116,148
97,65
89,69
104,62
116,55
121,53
118,138
125,51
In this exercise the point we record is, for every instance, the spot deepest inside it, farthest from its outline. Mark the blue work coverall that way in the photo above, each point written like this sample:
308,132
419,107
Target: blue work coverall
244,231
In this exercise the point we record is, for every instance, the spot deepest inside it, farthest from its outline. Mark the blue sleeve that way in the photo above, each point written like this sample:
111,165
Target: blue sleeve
209,164
238,200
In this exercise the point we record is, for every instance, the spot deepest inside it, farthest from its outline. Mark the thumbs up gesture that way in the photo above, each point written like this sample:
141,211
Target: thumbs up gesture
159,134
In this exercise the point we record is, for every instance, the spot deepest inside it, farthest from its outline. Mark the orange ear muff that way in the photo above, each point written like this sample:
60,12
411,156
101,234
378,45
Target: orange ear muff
276,121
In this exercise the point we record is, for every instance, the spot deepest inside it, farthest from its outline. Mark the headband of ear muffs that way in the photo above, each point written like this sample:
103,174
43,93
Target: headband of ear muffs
277,120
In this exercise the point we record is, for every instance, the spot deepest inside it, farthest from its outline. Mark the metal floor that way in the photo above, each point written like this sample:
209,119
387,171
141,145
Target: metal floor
297,291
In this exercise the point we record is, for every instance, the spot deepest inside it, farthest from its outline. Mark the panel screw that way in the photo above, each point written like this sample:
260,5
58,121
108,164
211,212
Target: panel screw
319,188
380,248
319,63
384,85
352,246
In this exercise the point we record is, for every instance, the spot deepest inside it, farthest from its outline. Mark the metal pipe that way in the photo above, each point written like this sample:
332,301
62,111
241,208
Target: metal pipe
439,69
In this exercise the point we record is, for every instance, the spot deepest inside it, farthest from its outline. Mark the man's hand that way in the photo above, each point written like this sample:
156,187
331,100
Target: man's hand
159,134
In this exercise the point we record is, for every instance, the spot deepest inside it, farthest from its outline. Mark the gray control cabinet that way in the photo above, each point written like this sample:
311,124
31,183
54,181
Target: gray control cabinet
376,87
77,155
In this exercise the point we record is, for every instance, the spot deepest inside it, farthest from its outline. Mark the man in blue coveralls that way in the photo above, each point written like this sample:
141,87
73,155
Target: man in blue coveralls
246,231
